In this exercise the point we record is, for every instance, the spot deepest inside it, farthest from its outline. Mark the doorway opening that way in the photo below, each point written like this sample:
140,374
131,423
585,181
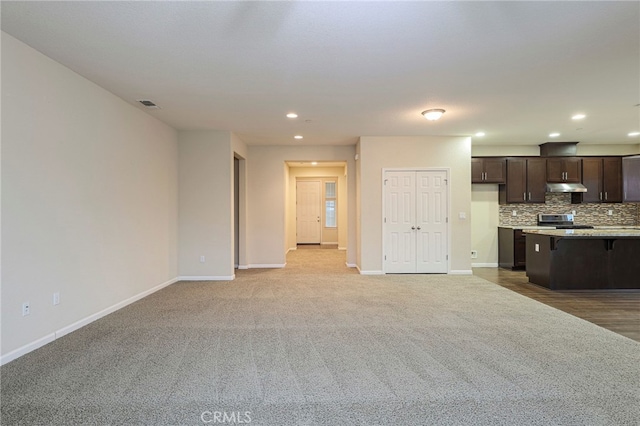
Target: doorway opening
239,215
316,206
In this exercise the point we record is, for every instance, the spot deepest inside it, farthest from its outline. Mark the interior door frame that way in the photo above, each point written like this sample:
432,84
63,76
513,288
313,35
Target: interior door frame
447,171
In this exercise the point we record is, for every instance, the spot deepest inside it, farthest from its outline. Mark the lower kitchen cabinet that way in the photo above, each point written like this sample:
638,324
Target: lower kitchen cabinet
512,248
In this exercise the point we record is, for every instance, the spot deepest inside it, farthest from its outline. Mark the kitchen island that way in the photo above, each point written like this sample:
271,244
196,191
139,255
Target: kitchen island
584,259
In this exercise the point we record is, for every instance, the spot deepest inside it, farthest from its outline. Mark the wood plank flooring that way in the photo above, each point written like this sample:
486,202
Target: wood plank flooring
615,310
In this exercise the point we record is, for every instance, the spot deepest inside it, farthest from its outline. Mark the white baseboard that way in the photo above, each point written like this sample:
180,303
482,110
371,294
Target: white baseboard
484,265
207,278
341,248
351,265
461,272
17,353
267,265
243,266
79,324
291,249
329,243
370,272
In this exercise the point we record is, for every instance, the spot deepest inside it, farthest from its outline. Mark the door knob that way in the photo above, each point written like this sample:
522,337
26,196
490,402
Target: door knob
413,228
418,228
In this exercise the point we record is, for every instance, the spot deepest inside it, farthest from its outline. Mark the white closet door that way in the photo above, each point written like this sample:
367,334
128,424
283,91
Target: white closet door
400,241
431,222
415,222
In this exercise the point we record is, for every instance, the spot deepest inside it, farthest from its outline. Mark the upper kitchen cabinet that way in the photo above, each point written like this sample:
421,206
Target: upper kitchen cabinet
564,169
603,179
631,179
526,181
488,170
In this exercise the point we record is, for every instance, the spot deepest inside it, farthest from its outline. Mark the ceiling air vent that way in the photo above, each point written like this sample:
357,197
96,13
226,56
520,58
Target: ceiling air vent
148,104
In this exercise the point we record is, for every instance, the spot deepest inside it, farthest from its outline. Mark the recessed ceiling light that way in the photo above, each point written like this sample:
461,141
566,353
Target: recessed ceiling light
480,134
634,133
433,114
554,135
292,115
149,104
314,163
578,117
297,137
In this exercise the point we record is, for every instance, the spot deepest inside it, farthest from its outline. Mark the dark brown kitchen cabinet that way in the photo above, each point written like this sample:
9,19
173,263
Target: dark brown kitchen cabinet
564,169
526,181
512,248
488,170
602,176
631,179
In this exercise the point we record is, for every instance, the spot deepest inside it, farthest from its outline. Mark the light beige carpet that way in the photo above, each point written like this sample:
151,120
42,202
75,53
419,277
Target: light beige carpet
316,343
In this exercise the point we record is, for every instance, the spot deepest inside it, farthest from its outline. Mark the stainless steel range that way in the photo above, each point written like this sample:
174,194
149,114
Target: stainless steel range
560,221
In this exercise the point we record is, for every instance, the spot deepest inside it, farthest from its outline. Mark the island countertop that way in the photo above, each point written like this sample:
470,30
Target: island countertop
587,233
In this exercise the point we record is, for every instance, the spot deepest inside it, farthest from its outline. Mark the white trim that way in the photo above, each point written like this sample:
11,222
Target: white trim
79,324
484,265
207,277
371,272
334,243
23,350
243,266
351,265
291,249
461,272
267,265
342,248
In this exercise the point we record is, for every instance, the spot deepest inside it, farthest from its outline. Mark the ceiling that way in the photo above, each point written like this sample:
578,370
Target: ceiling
515,70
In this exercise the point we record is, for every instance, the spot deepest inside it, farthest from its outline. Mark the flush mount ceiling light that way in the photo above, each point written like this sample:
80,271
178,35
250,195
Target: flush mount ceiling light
554,135
297,137
578,117
433,114
634,134
292,115
480,134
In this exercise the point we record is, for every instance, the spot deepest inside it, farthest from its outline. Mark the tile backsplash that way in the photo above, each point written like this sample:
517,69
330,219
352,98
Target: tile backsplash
596,214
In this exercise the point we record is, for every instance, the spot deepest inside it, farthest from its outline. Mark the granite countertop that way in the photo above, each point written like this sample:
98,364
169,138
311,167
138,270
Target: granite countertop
535,227
525,227
588,233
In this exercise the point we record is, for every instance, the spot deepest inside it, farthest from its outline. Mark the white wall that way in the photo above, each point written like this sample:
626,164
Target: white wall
484,224
205,205
342,218
89,200
267,193
377,153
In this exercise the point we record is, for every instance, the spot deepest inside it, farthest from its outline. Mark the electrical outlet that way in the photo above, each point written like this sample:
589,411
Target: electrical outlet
514,213
610,212
474,254
537,247
56,298
26,309
201,259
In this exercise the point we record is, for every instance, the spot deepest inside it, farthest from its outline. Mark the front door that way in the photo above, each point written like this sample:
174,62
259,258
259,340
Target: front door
415,222
308,212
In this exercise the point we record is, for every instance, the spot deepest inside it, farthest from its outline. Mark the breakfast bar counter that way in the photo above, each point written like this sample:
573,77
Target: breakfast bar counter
584,259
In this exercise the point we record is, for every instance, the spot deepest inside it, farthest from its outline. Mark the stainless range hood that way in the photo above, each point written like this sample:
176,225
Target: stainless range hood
566,187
